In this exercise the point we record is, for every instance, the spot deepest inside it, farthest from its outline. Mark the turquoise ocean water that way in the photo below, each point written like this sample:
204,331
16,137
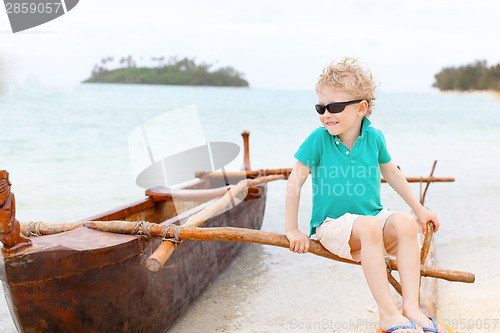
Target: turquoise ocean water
67,154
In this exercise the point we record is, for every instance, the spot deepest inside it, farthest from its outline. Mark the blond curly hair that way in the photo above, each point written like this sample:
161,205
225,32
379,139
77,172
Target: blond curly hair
351,77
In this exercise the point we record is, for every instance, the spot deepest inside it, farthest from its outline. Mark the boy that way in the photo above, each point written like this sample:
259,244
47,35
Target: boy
345,158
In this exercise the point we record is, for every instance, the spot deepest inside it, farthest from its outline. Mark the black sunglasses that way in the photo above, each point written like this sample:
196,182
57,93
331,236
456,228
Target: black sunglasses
335,107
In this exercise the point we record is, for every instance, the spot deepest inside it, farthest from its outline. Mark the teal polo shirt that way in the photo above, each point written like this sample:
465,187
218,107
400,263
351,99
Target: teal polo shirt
343,180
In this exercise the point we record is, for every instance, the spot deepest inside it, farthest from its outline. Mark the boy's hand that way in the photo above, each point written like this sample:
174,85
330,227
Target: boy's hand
423,216
299,242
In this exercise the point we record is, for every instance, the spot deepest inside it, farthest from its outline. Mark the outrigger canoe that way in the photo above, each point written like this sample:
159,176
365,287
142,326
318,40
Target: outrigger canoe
85,280
78,278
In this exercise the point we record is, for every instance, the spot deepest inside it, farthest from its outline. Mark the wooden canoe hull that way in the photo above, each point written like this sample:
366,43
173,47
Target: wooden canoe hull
74,287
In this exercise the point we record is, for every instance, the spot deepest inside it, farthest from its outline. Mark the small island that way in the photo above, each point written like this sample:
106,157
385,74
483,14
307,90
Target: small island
174,72
476,76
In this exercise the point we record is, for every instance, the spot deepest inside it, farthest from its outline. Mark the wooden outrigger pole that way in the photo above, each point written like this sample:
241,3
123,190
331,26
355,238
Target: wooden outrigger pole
286,172
226,234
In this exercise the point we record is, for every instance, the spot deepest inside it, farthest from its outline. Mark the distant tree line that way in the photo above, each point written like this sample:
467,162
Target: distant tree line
476,76
170,72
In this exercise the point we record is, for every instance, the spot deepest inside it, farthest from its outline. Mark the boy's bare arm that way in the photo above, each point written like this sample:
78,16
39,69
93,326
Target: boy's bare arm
398,182
299,242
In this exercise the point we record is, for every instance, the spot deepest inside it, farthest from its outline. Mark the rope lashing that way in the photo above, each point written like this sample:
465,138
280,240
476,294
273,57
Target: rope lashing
142,228
33,229
177,233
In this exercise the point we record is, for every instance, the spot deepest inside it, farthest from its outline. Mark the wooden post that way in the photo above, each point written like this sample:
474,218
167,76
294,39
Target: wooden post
429,180
246,145
427,242
391,278
428,286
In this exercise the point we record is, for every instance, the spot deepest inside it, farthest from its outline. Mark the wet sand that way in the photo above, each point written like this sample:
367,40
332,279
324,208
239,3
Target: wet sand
272,290
471,307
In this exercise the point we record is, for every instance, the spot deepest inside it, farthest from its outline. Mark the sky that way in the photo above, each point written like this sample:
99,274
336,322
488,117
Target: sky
277,44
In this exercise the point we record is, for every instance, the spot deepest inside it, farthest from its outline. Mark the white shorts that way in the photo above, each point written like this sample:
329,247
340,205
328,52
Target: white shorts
334,234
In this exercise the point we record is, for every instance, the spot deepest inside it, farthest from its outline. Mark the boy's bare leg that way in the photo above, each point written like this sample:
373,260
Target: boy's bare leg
401,238
367,235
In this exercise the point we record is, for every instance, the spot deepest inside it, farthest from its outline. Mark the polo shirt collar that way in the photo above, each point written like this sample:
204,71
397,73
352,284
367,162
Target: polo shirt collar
353,152
364,125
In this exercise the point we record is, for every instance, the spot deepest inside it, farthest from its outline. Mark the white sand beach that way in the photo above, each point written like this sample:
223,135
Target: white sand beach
471,307
272,290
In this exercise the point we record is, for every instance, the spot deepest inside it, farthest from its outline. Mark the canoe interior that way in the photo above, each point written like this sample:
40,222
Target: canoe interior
158,208
89,281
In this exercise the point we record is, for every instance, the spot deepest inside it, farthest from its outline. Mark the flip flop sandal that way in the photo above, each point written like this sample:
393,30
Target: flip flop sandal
435,328
400,327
